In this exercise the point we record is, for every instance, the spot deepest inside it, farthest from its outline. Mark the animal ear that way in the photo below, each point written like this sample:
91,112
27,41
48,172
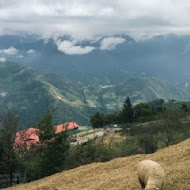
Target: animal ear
157,188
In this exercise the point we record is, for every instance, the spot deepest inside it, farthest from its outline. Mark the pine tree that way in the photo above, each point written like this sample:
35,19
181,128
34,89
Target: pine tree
54,146
127,111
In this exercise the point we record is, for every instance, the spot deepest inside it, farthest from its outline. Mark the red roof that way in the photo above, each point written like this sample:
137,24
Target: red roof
27,137
66,126
30,136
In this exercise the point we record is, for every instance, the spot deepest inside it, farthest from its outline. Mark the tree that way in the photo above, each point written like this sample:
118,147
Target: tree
184,107
28,158
97,120
54,146
127,111
45,124
157,105
8,127
142,110
172,127
55,155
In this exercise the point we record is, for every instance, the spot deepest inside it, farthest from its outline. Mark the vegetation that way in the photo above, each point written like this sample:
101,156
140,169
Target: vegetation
139,113
8,127
27,91
121,173
146,128
33,162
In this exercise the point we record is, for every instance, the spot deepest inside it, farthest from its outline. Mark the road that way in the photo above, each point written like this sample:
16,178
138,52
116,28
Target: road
84,137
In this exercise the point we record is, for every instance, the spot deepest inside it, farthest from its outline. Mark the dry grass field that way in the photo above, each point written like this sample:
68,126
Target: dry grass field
120,174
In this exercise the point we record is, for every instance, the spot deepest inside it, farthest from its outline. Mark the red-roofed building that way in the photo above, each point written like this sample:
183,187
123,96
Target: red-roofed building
27,138
30,137
71,127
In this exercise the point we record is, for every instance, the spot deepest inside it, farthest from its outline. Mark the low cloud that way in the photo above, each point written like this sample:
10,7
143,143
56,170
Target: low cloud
31,51
111,42
9,51
83,19
71,48
2,59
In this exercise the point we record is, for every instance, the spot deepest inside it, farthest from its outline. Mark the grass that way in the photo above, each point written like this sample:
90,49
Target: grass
176,105
120,174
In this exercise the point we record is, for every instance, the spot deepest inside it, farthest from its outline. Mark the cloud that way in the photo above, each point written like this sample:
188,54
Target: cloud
31,51
70,48
2,59
87,18
111,42
186,85
9,51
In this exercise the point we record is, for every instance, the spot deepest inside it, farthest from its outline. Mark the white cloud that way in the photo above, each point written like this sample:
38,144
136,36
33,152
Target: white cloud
88,18
69,47
2,59
9,51
3,94
111,42
31,51
186,85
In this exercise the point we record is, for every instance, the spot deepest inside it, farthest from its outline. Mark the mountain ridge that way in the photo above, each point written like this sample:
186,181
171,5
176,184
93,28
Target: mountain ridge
160,56
28,92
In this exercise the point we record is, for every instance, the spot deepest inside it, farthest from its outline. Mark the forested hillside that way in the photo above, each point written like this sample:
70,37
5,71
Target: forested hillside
28,92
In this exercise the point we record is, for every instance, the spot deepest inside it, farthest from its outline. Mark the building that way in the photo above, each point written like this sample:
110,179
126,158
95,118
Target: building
30,137
69,127
27,138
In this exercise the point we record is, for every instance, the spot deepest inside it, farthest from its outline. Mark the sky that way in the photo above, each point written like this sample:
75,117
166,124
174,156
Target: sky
87,19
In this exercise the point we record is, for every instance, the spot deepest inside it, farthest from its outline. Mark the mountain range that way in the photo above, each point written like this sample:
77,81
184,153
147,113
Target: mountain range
105,60
29,92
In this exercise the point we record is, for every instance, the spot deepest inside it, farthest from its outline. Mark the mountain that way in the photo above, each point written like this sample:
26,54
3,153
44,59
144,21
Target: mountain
29,92
139,89
164,57
120,173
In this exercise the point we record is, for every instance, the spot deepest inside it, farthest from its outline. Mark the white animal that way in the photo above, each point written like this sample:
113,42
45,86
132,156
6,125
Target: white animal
151,175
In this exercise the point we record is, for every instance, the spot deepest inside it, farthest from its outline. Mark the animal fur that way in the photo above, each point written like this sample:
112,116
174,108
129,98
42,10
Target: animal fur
151,175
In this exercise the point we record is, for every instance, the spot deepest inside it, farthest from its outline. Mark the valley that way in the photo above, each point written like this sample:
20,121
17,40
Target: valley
28,92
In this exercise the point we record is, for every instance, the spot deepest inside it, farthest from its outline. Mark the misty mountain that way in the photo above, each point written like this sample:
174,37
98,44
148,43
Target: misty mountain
29,92
164,57
139,89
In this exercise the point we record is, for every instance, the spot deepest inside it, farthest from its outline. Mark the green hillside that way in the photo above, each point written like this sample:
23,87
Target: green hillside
28,92
139,89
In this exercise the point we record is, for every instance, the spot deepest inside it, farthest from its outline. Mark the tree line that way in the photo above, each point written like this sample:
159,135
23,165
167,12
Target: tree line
139,113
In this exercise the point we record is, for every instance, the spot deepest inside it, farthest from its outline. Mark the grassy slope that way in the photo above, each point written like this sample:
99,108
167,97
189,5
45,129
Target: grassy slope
120,174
